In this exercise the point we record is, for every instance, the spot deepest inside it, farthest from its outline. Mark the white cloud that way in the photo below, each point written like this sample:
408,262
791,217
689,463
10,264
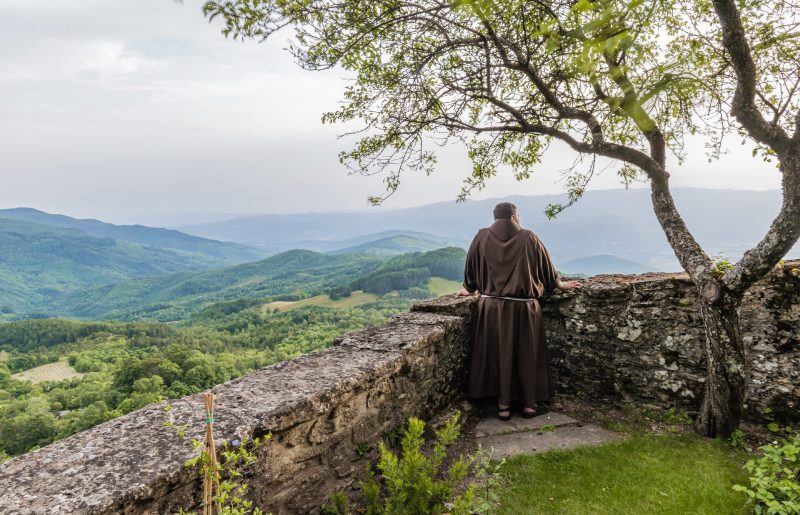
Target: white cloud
112,108
93,60
106,60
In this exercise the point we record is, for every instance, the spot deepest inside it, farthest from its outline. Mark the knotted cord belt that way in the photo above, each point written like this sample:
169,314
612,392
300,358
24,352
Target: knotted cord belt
507,298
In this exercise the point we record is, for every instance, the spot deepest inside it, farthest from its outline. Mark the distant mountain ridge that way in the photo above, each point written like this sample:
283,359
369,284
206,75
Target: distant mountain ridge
615,222
89,269
604,264
225,252
393,246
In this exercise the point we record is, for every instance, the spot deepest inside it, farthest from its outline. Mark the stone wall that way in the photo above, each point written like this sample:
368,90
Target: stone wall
640,339
319,408
620,338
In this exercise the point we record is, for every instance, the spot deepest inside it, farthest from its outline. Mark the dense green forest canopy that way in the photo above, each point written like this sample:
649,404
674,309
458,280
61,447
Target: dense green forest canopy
38,263
223,323
291,275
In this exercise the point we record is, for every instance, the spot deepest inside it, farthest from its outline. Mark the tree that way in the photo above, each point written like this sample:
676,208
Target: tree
624,80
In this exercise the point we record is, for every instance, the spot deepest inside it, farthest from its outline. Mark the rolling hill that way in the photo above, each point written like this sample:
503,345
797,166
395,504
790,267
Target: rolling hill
393,246
39,262
222,252
290,276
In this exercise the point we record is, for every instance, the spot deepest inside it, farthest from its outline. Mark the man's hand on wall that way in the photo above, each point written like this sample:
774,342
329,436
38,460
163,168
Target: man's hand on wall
463,292
568,285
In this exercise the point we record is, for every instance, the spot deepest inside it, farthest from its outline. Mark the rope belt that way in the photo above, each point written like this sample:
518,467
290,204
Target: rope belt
507,298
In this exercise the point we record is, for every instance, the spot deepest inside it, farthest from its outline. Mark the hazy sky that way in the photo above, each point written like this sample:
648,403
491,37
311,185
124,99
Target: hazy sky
132,110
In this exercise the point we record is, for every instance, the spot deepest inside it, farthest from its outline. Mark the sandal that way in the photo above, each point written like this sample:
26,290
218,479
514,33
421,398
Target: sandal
543,407
535,413
504,418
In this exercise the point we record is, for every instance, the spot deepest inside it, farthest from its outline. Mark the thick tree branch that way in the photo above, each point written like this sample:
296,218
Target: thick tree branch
785,229
688,251
744,107
783,234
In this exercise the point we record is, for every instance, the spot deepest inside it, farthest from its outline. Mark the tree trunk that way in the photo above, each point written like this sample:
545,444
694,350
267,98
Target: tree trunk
726,380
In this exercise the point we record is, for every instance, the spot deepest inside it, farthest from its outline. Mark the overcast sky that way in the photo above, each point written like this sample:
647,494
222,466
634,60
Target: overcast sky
140,111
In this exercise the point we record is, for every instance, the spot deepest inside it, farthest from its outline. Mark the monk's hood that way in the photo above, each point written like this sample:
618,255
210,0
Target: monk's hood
504,230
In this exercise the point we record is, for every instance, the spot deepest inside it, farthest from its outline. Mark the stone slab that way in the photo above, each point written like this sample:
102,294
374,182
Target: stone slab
533,442
495,426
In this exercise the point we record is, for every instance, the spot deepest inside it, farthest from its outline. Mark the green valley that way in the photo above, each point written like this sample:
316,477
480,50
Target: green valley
289,276
181,333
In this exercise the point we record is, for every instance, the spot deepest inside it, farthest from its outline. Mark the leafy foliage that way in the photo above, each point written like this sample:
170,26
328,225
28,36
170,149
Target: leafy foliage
774,478
413,481
226,472
487,480
337,504
505,78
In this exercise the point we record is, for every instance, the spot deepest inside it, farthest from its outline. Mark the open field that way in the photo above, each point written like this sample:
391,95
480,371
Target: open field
3,356
438,286
57,371
355,299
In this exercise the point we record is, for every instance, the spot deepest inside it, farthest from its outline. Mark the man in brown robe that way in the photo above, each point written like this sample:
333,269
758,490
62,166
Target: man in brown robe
510,268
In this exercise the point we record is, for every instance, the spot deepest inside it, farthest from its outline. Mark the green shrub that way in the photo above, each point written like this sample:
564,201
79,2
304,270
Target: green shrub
487,481
338,504
775,478
737,440
415,483
226,471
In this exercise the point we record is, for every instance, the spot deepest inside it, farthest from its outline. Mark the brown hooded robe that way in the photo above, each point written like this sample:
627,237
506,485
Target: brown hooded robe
509,353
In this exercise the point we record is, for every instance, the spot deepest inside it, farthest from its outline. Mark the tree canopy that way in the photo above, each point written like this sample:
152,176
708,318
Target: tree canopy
622,79
626,80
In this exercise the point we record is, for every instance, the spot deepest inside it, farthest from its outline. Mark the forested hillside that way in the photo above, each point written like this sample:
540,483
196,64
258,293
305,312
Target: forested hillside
60,376
409,271
129,365
39,262
291,275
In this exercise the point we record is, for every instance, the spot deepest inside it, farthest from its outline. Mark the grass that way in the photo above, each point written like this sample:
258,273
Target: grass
57,371
645,474
355,299
4,356
438,286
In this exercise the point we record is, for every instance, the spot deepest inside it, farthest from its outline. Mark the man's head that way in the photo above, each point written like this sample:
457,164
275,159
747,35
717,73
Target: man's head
506,211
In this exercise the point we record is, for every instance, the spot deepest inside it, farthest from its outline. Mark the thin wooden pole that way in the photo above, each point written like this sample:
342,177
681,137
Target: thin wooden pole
210,478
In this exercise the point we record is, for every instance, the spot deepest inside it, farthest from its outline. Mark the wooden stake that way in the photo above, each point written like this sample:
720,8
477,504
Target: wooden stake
210,478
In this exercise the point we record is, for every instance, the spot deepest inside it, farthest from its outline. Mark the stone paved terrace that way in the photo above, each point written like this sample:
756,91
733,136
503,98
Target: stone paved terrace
626,338
540,434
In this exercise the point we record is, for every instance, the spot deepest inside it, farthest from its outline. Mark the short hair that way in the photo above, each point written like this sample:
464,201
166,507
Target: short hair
504,211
